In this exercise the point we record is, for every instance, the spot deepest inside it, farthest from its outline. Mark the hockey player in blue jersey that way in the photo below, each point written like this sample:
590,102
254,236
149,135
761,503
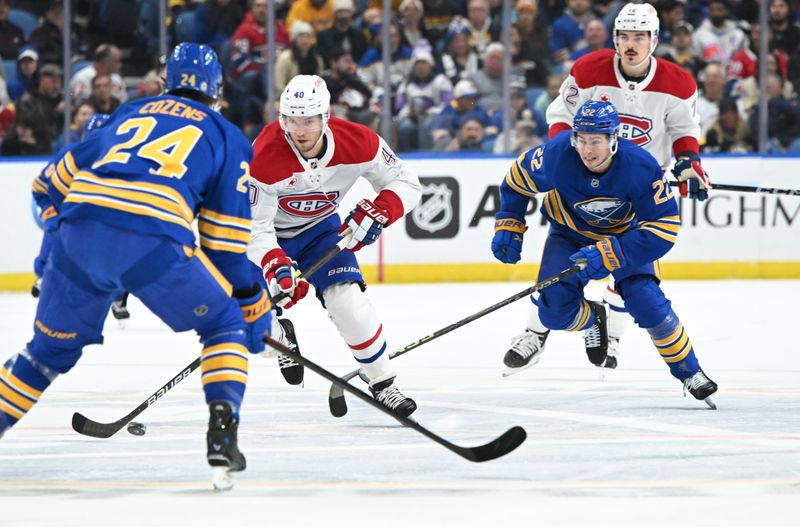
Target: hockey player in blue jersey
47,217
608,203
127,200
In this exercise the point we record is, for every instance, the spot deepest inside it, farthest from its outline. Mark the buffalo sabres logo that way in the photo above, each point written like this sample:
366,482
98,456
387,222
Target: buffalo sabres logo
310,205
637,129
604,212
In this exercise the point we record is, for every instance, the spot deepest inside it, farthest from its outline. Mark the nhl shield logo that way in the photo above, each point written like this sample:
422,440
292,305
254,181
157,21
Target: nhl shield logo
436,216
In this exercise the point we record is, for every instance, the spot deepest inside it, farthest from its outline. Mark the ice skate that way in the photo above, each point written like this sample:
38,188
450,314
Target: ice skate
387,393
525,352
119,308
292,371
223,450
701,388
596,337
611,358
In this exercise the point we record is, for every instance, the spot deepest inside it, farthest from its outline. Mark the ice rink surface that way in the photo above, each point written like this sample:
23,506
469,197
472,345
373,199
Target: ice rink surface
628,450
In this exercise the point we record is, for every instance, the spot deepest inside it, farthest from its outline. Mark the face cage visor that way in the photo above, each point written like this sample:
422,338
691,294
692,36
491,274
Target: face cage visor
302,123
575,140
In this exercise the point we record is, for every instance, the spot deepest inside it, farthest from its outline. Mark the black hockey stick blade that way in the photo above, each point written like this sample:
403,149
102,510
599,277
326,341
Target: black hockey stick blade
85,426
336,400
511,439
492,450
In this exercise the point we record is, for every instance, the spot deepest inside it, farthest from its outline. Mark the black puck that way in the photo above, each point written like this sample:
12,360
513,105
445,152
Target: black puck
137,429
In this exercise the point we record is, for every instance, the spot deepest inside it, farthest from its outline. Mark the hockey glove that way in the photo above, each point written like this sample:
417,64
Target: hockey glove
507,242
366,221
281,276
49,218
695,182
255,306
602,259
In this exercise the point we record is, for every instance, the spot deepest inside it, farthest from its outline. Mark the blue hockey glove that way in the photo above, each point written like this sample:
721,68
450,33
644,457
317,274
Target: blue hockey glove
255,306
507,242
695,182
602,259
366,221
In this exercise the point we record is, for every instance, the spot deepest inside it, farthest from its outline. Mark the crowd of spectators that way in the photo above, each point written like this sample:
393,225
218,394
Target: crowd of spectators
445,76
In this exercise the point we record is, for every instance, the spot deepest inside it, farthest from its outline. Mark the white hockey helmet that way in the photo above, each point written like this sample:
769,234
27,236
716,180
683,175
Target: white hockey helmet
638,17
305,96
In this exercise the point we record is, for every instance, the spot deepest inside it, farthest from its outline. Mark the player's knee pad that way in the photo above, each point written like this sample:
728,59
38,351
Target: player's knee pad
645,300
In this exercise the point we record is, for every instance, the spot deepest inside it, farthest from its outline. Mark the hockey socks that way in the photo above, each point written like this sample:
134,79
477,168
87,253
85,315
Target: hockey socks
22,381
675,348
223,363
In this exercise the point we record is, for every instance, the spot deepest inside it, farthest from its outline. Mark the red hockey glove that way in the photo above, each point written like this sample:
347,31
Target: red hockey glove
280,273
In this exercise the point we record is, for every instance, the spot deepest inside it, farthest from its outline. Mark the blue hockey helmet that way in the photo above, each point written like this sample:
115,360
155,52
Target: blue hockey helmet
95,121
194,67
596,117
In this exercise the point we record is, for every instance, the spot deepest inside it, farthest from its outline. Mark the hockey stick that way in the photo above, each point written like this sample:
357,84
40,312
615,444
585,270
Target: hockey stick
336,401
84,425
500,446
745,188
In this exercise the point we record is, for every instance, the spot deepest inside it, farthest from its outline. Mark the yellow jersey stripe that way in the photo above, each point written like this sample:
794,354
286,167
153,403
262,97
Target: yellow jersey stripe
132,208
132,196
212,269
218,245
225,219
18,385
516,188
667,237
140,186
59,182
157,192
69,161
528,177
225,233
38,186
669,227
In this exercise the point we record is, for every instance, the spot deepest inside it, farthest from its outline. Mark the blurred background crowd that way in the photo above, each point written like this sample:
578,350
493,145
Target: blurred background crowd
445,76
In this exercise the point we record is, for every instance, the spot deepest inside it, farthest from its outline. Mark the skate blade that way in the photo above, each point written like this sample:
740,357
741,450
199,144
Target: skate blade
710,403
121,324
221,479
508,371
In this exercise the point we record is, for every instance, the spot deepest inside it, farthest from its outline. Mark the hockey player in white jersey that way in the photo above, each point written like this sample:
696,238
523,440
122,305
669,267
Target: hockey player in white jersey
657,103
304,164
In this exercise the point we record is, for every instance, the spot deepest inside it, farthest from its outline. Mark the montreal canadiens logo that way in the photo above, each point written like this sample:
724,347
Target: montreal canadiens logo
636,129
310,205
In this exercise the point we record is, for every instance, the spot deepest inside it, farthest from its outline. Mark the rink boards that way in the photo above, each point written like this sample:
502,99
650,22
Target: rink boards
447,237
